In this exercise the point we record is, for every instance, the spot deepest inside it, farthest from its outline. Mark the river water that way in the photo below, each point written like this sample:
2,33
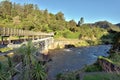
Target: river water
72,59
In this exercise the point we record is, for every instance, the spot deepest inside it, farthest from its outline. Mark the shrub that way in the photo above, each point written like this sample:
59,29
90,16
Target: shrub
93,68
71,35
69,76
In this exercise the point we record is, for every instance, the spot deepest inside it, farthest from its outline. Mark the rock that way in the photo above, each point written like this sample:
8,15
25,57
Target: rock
69,46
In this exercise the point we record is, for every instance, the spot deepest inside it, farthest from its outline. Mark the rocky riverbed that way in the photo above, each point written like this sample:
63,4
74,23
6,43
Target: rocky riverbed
72,59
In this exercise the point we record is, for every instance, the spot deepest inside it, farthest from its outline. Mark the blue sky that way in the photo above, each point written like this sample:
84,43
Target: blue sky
91,10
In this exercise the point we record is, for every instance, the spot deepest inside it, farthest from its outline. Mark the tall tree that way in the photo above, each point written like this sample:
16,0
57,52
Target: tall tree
6,7
81,21
59,16
46,16
28,8
72,25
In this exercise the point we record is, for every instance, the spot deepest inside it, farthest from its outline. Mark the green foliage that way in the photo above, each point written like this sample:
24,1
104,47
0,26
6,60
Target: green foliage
11,67
2,73
81,21
67,34
39,72
30,17
31,68
108,38
93,68
5,49
7,69
92,31
69,76
115,58
85,31
59,16
102,76
58,34
70,35
107,59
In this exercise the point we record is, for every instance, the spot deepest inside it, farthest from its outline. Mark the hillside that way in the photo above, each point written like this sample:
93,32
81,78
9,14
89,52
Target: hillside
30,17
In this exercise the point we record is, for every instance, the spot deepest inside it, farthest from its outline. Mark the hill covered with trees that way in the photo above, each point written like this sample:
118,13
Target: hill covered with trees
30,17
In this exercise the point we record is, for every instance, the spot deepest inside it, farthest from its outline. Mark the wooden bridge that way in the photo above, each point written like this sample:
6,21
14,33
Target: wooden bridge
7,32
43,40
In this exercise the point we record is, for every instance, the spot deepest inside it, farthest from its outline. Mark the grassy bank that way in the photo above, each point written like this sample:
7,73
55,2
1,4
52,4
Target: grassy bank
101,76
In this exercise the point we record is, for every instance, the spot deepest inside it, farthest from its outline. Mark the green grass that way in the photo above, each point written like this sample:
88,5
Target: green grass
5,49
114,59
104,76
93,68
68,76
2,58
107,59
67,34
14,37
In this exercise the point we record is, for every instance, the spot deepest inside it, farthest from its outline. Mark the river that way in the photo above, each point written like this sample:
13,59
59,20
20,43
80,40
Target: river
72,59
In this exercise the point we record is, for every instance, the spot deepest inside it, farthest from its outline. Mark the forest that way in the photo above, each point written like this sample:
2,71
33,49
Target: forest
30,17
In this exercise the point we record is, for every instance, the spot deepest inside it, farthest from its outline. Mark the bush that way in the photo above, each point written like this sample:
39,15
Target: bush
93,68
69,76
71,35
115,57
102,76
67,34
5,49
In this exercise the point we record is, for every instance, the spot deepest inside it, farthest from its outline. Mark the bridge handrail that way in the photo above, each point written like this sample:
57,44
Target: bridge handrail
4,31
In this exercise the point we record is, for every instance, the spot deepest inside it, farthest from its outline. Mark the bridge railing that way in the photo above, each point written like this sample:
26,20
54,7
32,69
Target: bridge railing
4,31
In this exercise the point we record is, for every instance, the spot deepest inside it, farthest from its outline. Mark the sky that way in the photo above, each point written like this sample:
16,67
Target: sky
91,10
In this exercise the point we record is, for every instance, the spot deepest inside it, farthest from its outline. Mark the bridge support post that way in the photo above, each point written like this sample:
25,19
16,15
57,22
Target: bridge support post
45,51
33,37
38,37
29,38
9,40
19,38
24,39
2,39
41,37
52,40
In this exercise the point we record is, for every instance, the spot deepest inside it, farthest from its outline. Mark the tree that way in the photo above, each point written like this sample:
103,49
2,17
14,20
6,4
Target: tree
81,21
28,8
31,68
2,72
7,73
6,8
59,16
72,23
72,26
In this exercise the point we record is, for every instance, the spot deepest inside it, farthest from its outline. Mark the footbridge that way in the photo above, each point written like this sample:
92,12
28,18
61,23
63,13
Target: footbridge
40,39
